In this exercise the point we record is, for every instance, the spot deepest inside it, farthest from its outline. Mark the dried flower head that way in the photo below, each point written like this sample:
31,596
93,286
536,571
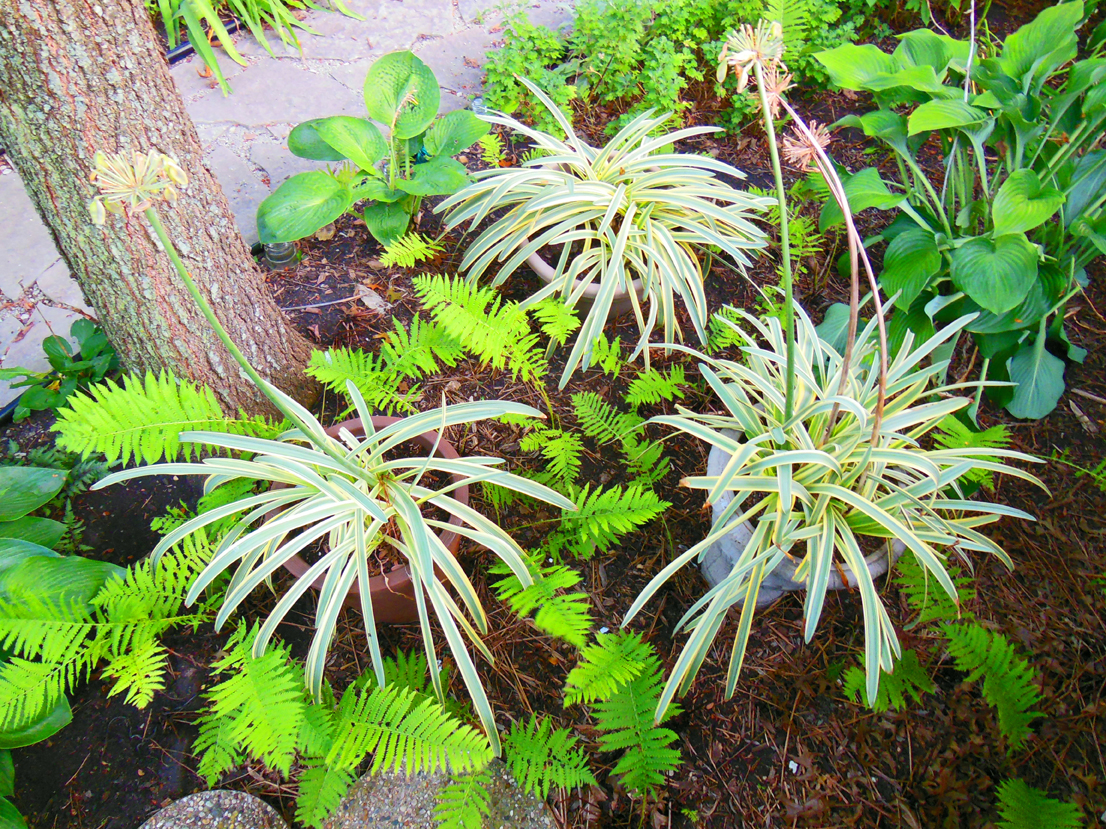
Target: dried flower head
132,185
747,46
776,82
801,148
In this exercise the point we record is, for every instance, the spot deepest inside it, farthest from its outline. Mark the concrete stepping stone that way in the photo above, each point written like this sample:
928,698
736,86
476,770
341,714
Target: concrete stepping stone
395,801
220,809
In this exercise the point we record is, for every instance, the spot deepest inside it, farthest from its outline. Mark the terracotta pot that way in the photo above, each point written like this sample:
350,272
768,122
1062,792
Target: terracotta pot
621,305
393,593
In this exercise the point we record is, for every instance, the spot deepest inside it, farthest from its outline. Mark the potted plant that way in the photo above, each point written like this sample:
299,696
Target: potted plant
630,219
825,446
343,489
402,93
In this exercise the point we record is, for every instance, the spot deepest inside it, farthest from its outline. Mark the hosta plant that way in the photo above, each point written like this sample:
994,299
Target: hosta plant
634,210
342,491
402,93
1019,209
824,485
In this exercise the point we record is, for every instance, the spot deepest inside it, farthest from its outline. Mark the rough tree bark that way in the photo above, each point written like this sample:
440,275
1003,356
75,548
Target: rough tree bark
77,77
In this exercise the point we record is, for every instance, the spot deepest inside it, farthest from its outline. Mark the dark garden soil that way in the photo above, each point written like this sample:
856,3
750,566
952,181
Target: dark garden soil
788,749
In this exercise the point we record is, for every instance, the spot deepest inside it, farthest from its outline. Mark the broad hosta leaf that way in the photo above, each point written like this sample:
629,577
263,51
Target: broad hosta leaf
941,115
454,132
306,142
1090,175
7,774
924,47
1040,47
911,260
43,728
42,531
9,815
26,488
402,92
301,206
437,177
1040,380
62,580
1045,292
863,190
1023,204
358,139
851,67
386,222
996,274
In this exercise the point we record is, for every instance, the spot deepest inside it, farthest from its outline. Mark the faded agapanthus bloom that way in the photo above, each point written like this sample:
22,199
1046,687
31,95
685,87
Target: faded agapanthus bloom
800,150
776,82
130,185
747,46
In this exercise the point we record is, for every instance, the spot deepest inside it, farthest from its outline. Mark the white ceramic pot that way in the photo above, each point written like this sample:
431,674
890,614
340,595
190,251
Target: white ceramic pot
724,553
620,305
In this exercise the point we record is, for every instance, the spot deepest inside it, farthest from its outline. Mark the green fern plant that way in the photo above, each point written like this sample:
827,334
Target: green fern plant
556,320
607,354
951,433
602,422
497,332
420,350
611,661
653,386
927,598
909,679
625,719
561,614
142,420
562,452
602,517
1008,679
464,802
376,381
491,149
723,331
542,757
407,251
1023,807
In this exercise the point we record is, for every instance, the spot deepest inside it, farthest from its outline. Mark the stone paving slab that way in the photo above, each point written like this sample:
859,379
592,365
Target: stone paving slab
244,134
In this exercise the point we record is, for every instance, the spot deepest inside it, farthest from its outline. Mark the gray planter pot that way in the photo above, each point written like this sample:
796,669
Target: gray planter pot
724,553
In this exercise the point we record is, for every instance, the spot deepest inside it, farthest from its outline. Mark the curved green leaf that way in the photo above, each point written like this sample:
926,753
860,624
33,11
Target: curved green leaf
996,274
863,190
7,774
61,580
1038,48
454,132
301,206
43,728
358,139
26,488
851,66
305,141
1040,380
941,115
44,531
9,815
386,222
402,92
911,260
437,177
1023,204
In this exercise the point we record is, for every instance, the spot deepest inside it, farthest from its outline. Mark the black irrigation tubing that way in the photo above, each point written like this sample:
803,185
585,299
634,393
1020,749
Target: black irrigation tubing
185,48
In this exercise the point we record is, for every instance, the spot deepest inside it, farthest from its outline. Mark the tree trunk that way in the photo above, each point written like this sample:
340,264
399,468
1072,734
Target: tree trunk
77,77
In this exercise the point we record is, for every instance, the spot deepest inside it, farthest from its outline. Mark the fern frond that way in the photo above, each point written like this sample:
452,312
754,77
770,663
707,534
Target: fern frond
613,660
607,354
497,332
721,333
556,320
952,434
604,516
142,420
652,386
563,452
322,788
217,747
908,678
646,460
424,737
491,148
464,802
602,421
1023,807
542,757
378,384
139,673
927,598
565,616
420,350
29,689
407,251
1007,678
626,720
262,699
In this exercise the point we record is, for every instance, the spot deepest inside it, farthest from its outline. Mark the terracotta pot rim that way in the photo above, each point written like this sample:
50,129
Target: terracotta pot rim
392,592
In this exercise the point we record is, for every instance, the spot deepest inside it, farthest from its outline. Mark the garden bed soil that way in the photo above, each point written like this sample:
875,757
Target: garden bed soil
788,749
